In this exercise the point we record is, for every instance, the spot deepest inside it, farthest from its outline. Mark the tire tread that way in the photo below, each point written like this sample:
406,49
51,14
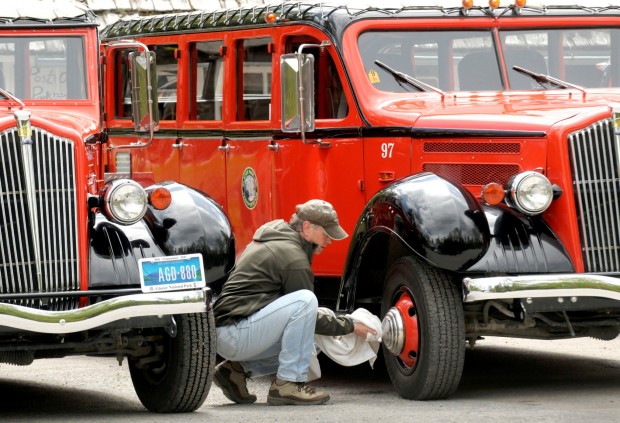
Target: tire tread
192,362
439,368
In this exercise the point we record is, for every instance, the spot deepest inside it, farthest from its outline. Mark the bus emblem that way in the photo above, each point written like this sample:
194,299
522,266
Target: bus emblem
249,188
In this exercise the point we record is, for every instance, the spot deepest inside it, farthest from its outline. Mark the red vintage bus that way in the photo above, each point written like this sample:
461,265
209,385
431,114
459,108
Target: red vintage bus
470,149
92,262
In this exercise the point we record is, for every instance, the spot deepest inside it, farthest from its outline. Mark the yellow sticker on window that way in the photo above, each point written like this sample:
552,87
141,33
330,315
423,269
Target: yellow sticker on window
373,77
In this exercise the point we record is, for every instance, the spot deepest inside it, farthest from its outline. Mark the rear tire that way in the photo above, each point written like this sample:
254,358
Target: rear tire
431,363
181,380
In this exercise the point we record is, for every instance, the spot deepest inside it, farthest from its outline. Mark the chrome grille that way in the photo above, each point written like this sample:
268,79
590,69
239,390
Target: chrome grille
596,181
55,203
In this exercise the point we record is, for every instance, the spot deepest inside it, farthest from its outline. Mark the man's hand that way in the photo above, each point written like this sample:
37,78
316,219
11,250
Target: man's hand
362,330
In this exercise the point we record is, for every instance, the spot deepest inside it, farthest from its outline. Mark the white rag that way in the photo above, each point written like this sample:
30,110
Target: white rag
348,350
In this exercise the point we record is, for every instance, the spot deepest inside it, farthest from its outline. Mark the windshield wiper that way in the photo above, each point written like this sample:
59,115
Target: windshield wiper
416,83
541,78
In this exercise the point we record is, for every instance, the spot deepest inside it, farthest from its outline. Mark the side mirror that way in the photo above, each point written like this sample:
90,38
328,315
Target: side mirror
144,90
297,76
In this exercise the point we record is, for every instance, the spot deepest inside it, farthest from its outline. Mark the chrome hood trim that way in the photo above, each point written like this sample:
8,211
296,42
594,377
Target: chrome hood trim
97,315
541,286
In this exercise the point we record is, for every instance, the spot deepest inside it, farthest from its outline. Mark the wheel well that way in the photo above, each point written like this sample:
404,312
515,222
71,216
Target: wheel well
379,253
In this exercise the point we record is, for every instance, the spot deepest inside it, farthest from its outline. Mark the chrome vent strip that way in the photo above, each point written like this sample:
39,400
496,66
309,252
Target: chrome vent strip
25,138
16,273
56,199
596,180
57,190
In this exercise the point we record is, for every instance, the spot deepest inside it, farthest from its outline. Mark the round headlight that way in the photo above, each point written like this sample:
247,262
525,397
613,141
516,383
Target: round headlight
530,192
125,201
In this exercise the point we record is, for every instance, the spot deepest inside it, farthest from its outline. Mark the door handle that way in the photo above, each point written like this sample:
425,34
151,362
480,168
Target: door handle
225,148
178,145
274,147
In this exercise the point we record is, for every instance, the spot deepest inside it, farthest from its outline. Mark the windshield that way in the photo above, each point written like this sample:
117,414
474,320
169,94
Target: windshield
469,60
585,57
43,68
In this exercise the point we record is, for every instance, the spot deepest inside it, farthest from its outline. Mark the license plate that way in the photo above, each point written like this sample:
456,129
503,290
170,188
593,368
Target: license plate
171,273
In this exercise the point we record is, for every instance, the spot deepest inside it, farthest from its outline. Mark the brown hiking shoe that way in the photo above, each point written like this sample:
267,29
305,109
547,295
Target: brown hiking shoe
295,393
232,380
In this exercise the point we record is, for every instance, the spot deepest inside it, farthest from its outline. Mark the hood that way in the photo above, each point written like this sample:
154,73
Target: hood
57,120
537,111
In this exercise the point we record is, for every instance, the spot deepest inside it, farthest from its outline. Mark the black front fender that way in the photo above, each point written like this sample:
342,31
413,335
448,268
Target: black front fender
422,215
520,245
193,223
437,221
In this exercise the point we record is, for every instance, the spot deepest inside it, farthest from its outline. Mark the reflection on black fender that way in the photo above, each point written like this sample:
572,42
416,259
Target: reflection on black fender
521,245
441,223
194,223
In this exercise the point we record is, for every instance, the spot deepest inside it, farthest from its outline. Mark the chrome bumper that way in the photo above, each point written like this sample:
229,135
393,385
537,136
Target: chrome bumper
105,312
541,286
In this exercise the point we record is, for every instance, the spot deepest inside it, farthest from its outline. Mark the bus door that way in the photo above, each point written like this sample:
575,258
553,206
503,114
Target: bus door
201,138
248,139
329,165
388,151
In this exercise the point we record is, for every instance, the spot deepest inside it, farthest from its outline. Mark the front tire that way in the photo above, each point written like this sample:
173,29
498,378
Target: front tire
180,380
426,341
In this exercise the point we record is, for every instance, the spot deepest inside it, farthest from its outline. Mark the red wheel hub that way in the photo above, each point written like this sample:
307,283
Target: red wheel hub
409,317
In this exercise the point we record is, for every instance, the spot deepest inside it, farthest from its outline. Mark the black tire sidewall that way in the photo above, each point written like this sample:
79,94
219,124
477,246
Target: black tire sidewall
423,381
190,363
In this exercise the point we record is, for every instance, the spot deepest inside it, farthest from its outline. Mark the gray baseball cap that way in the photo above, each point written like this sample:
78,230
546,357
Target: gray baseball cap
322,213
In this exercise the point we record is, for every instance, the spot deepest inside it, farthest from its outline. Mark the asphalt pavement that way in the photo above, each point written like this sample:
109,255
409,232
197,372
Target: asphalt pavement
504,380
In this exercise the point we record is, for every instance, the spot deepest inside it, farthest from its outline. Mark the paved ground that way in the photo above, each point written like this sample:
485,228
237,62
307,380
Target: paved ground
504,380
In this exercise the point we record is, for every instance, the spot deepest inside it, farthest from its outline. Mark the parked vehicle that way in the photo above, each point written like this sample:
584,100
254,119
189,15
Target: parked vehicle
91,262
471,151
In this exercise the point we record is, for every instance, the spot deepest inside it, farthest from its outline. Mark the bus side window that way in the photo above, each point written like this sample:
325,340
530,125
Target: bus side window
253,80
167,72
330,99
331,102
206,74
122,84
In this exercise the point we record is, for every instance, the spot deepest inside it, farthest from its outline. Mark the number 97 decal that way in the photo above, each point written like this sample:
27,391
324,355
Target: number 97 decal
386,150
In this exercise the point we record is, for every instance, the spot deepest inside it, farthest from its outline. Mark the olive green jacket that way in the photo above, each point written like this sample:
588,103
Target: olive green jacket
277,262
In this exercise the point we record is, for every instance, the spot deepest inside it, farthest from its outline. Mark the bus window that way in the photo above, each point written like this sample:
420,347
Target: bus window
47,67
122,86
167,71
254,79
331,102
207,70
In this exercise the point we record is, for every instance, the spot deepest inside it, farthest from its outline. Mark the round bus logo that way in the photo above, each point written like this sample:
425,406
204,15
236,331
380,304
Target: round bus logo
249,188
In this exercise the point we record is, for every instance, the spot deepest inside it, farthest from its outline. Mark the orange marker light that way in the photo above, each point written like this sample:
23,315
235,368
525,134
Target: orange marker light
160,198
493,4
386,176
520,3
271,17
467,4
492,193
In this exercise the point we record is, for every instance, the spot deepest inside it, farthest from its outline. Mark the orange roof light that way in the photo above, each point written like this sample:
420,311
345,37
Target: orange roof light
271,17
493,4
520,3
492,193
467,4
160,198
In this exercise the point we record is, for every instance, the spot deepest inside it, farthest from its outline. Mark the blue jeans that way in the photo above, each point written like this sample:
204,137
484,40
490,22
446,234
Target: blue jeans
279,338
